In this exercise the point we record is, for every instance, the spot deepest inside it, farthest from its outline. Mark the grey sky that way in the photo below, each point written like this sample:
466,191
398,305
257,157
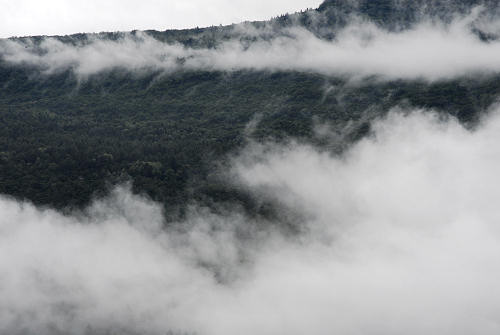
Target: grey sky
34,17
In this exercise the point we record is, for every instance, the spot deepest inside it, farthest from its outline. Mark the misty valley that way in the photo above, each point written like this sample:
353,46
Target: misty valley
331,171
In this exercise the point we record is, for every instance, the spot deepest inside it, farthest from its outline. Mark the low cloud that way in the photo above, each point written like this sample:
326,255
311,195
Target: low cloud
399,234
430,50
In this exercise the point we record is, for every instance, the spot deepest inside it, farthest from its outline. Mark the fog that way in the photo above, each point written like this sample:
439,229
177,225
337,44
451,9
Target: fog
430,50
397,235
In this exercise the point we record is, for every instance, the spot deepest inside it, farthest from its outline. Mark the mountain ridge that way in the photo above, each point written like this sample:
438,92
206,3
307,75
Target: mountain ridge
330,15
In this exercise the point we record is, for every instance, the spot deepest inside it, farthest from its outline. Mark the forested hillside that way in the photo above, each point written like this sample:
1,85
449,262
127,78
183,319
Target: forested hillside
65,138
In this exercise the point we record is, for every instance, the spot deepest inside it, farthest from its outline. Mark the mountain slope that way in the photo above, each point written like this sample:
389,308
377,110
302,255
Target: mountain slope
65,137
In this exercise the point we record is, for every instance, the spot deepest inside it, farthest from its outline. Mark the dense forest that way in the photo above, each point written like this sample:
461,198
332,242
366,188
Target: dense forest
64,140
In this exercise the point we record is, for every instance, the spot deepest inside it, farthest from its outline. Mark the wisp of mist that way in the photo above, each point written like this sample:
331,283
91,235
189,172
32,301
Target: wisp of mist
398,235
429,50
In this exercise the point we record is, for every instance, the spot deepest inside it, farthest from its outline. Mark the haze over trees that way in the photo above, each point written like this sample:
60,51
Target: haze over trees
331,171
65,137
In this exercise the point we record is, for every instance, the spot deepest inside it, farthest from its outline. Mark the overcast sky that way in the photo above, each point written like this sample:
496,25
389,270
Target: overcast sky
51,17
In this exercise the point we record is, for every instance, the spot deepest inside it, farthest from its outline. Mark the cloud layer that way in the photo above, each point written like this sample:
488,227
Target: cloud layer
429,51
397,235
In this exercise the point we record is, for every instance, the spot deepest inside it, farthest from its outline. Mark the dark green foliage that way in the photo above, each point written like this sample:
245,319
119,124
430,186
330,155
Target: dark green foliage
400,14
62,141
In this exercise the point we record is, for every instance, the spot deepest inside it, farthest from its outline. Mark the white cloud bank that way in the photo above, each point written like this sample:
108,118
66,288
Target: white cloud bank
400,235
429,51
